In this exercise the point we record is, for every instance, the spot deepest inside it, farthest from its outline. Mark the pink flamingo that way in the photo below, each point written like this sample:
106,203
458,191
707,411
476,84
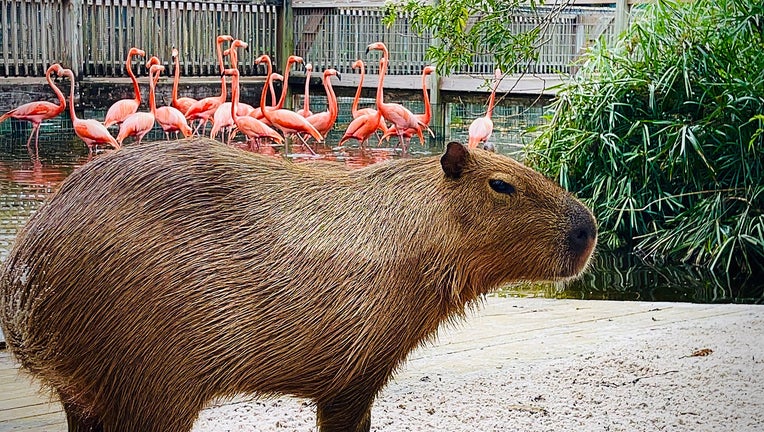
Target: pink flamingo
141,123
222,118
400,116
91,131
482,127
365,124
258,112
424,118
203,109
183,103
169,118
288,121
305,110
324,121
38,111
253,128
363,111
121,109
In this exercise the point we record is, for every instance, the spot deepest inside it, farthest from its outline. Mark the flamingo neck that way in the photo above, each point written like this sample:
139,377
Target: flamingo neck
268,80
382,72
175,81
358,91
57,91
136,89
492,99
285,84
152,92
222,89
306,104
333,109
235,95
427,108
220,56
71,98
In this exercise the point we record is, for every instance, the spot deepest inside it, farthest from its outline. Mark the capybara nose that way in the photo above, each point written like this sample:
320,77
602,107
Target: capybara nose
582,234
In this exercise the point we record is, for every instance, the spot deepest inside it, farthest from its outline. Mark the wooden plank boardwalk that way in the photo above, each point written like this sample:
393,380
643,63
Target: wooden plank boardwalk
505,329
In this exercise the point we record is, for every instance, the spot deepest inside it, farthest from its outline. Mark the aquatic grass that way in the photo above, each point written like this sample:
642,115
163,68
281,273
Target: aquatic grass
662,134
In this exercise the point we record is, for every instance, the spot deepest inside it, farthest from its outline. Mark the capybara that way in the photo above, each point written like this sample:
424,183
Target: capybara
164,275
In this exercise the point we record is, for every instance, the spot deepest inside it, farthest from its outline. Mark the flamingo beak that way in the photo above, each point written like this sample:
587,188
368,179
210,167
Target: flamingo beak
339,77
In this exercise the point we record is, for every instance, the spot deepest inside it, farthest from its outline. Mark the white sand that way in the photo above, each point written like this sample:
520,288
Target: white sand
562,365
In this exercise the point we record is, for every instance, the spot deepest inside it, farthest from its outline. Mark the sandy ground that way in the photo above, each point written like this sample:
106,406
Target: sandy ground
553,365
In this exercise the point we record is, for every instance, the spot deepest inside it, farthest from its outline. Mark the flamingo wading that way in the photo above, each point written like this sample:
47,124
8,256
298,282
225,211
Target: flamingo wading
38,111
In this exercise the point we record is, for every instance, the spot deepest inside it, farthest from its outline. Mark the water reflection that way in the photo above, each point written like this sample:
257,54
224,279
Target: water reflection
622,276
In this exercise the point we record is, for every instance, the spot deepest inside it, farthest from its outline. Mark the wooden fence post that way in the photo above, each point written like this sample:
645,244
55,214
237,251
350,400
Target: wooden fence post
286,47
621,16
71,35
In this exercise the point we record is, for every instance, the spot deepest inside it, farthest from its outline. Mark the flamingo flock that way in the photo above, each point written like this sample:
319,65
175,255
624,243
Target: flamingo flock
259,124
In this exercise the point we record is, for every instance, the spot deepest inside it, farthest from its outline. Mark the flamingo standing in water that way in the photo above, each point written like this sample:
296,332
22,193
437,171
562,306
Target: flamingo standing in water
203,109
363,111
222,118
170,119
38,111
288,121
400,116
121,109
423,118
258,112
305,110
91,131
253,128
482,127
365,124
141,123
324,121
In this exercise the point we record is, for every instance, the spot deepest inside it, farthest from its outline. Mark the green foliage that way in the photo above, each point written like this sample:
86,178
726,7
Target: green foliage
663,134
466,29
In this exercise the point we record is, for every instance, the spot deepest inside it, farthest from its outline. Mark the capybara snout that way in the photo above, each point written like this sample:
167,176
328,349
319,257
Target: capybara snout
165,275
581,237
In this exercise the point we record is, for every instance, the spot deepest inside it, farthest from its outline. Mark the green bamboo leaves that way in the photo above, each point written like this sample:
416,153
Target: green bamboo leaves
662,134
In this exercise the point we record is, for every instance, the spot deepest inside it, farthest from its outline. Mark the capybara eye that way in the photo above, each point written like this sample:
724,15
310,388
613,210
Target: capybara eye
501,186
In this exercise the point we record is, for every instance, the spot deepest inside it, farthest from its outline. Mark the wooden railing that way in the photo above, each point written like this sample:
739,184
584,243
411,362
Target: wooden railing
335,37
30,36
93,36
111,27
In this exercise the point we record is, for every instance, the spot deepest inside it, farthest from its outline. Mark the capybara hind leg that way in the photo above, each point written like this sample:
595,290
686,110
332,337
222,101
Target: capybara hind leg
345,414
76,423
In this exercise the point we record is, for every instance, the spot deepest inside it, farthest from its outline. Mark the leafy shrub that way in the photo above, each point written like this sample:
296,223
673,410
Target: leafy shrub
663,134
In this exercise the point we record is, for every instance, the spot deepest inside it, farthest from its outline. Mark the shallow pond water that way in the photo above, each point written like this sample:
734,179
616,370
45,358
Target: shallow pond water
27,177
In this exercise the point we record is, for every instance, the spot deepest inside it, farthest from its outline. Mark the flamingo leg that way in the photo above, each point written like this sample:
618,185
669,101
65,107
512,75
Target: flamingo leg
35,128
305,143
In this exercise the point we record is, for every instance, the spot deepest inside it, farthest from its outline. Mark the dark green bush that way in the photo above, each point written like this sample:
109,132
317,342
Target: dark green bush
662,134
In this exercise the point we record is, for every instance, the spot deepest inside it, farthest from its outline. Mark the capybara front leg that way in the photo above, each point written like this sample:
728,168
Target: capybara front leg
347,413
77,423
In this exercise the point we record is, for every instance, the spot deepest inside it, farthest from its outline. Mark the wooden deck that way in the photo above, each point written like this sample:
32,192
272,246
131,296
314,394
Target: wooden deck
505,328
22,406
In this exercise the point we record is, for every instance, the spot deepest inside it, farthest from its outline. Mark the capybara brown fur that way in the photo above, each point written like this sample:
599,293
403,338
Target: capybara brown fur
164,275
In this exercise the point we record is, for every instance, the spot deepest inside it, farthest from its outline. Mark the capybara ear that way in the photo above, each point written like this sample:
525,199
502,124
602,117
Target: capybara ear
455,159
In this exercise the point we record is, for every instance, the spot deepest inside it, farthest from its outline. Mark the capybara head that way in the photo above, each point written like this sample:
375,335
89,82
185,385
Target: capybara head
508,212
